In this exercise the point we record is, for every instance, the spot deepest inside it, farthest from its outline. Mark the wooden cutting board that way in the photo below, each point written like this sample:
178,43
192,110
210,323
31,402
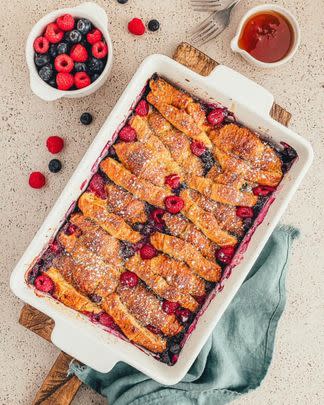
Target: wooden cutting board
57,388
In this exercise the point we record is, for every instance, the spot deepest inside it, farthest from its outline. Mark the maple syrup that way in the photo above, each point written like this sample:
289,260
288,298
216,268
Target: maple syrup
267,36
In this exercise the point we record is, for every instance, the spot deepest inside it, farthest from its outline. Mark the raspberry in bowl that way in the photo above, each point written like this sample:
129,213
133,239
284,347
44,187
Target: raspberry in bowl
69,52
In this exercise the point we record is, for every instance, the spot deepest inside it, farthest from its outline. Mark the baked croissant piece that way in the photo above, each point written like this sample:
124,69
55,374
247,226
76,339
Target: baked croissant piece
96,208
177,143
142,161
140,188
239,150
179,109
184,251
124,204
150,271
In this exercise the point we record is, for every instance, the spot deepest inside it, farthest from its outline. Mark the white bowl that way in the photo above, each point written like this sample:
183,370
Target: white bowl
255,10
98,17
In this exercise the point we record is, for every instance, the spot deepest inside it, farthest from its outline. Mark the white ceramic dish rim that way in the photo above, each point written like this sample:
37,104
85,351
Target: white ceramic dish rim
73,333
267,7
98,17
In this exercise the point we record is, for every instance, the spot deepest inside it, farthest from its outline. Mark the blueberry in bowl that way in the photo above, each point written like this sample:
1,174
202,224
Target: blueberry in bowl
69,52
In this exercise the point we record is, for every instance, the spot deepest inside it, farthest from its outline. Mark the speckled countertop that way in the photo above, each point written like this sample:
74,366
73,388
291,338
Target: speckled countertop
295,376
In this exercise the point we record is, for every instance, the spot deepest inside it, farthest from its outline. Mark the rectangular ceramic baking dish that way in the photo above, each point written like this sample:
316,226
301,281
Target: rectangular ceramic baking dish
89,343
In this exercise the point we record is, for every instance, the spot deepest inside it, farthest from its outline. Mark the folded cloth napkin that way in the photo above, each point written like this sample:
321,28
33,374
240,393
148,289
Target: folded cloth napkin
237,355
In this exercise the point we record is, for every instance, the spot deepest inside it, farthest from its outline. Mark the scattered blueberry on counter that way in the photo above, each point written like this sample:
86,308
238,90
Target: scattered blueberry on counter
86,118
153,25
54,166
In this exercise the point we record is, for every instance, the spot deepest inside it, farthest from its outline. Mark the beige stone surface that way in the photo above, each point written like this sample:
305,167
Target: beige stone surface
296,373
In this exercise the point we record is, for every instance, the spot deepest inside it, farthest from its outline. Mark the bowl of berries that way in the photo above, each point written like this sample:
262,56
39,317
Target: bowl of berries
69,52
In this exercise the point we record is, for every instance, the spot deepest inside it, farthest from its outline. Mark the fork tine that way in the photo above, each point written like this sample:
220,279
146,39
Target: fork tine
207,2
208,8
214,35
202,31
200,27
202,38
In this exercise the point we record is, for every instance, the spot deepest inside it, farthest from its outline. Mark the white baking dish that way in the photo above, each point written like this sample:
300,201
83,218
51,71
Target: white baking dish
73,333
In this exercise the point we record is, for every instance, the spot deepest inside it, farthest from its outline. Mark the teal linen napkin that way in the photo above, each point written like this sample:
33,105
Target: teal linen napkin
236,357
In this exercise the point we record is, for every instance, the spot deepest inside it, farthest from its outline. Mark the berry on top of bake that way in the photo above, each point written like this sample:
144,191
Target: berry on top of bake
161,219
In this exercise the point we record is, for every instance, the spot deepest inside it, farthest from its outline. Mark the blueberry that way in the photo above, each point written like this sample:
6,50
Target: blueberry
73,37
80,67
94,77
52,82
288,154
122,1
55,166
175,348
46,72
84,26
62,47
153,25
86,118
53,50
127,250
41,59
95,65
208,160
138,226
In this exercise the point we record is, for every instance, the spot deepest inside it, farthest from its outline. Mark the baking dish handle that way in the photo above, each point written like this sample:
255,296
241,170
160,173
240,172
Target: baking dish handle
77,344
241,89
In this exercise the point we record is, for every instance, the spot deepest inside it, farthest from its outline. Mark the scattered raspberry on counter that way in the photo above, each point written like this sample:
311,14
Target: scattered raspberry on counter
37,180
55,144
136,26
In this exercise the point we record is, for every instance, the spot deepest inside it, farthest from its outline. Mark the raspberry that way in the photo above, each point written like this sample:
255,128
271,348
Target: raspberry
183,314
65,22
127,134
53,33
41,45
216,116
263,190
148,251
157,216
225,254
63,63
55,247
173,204
136,26
64,81
97,186
197,148
55,144
37,180
44,283
244,212
99,50
81,79
71,229
129,279
94,36
79,53
106,320
142,108
169,307
173,180
153,329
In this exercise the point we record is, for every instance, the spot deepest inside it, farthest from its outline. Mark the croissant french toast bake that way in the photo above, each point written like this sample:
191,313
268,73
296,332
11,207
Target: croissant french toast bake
161,219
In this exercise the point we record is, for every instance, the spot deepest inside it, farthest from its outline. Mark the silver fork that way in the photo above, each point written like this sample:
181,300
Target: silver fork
206,5
212,26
